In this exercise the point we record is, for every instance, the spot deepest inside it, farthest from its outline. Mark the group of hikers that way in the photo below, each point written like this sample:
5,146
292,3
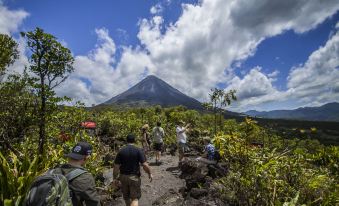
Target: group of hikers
76,186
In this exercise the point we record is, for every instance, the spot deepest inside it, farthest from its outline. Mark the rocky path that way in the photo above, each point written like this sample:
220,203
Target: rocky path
165,180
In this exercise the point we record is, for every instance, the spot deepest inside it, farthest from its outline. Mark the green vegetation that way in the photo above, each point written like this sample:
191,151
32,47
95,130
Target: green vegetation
264,168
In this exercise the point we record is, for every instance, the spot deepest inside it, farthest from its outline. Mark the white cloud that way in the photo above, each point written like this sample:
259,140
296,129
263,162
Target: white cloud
157,9
254,84
254,89
273,74
318,78
197,52
96,80
22,61
10,20
313,83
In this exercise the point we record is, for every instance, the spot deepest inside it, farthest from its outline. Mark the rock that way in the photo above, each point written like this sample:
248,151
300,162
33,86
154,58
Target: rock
172,149
171,197
198,192
195,202
217,170
194,173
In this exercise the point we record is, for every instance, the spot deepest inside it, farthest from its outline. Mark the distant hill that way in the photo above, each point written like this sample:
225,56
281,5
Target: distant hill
153,91
327,112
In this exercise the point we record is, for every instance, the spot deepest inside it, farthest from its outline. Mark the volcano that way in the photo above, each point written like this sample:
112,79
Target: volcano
154,91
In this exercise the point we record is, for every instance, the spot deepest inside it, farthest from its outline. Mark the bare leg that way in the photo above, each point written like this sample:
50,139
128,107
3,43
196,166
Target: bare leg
128,202
134,202
181,156
157,156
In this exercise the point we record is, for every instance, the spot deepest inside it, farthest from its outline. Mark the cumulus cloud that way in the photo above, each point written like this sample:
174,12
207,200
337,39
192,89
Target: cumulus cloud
95,79
200,49
317,79
157,9
254,84
311,84
10,20
196,52
253,89
270,17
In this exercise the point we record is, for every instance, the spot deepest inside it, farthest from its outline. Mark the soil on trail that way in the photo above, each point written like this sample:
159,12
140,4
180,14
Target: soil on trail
165,179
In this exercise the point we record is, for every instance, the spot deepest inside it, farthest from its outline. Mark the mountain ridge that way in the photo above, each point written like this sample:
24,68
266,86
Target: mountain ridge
326,112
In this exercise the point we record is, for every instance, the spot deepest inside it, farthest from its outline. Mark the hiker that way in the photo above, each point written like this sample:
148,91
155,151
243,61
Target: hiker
158,134
83,186
182,138
127,163
145,140
52,187
209,149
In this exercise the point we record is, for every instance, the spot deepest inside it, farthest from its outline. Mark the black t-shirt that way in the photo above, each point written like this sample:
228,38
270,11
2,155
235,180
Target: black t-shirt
129,158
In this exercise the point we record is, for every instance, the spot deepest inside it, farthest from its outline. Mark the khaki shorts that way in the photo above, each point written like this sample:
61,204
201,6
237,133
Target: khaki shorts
182,148
130,186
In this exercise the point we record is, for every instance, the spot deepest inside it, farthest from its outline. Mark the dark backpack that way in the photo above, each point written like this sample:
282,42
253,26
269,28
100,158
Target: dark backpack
217,156
51,189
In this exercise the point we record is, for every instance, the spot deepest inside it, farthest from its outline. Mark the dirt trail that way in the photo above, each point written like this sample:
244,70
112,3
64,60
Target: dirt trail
165,178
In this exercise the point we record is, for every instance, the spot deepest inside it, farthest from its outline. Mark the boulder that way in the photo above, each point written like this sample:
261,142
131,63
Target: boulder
194,172
198,192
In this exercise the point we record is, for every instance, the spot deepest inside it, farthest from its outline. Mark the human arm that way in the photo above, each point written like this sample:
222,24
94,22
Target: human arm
116,171
187,126
85,191
180,130
145,166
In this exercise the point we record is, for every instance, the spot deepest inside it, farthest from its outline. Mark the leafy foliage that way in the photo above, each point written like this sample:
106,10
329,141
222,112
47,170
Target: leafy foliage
8,52
264,168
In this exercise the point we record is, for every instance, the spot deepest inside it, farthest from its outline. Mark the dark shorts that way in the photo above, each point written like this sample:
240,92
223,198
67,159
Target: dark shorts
158,146
182,148
130,186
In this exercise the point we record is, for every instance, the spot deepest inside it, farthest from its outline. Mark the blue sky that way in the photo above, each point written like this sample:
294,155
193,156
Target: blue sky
277,55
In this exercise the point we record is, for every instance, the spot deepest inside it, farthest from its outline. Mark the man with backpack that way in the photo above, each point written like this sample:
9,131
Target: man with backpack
68,184
158,134
127,167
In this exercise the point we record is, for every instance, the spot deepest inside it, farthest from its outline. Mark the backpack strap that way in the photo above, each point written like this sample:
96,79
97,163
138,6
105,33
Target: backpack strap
74,174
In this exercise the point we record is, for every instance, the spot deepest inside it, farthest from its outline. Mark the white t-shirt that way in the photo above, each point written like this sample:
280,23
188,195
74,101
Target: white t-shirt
181,135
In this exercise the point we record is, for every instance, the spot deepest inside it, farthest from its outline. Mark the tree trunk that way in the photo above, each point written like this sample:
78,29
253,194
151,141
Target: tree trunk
215,117
42,122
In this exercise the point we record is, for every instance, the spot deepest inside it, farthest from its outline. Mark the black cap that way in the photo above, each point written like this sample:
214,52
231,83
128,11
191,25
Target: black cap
80,151
130,138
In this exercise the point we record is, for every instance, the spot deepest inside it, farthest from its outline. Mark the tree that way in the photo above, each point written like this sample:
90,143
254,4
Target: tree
8,52
17,111
219,99
51,63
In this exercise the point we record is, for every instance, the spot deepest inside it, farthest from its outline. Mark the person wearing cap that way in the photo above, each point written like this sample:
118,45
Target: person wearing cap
209,149
182,138
127,163
83,186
